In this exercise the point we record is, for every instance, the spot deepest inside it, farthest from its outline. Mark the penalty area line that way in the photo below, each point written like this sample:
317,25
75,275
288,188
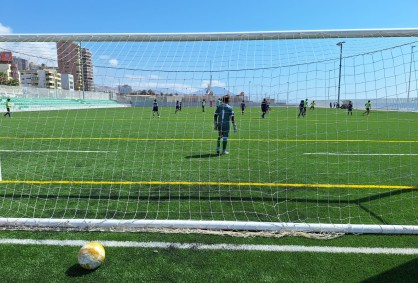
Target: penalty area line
207,139
212,247
57,150
360,154
234,184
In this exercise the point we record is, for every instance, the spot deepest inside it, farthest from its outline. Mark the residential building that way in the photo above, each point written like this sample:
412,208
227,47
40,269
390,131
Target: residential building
69,62
67,81
125,89
29,78
87,69
33,66
22,64
49,78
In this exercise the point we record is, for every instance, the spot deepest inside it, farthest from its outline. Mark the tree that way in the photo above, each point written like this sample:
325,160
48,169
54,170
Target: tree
3,78
5,81
13,83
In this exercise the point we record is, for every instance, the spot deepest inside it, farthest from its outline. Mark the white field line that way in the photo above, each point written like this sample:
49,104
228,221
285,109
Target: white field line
58,150
361,154
230,247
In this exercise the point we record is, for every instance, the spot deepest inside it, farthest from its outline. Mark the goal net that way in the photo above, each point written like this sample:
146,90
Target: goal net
85,145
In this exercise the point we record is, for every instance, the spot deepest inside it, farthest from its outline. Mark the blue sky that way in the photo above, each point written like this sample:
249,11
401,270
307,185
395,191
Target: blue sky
114,67
139,16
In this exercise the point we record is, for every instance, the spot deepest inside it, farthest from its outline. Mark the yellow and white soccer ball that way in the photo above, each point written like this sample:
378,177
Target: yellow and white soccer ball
91,255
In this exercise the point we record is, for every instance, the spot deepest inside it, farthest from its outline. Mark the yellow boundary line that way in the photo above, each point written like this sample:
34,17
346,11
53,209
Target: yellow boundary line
235,184
205,139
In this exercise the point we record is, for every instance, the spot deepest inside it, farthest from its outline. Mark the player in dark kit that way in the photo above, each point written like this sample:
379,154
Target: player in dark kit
350,108
301,108
242,107
264,108
155,108
203,105
177,107
223,115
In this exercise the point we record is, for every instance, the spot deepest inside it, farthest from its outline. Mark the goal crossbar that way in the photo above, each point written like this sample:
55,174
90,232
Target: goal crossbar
213,36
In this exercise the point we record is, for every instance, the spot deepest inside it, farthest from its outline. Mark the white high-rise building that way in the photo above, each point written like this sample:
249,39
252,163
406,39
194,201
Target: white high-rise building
67,81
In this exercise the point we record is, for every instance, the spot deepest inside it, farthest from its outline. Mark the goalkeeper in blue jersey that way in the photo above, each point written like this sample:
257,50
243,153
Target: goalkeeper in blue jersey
223,115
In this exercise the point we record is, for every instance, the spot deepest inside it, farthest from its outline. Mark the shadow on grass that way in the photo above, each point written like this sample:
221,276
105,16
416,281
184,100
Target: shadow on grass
77,271
164,193
207,155
407,272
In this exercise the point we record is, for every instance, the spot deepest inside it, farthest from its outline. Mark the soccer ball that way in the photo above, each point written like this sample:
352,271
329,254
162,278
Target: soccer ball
91,255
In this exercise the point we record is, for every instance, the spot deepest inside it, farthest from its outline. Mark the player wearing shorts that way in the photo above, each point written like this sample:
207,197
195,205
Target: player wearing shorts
155,108
223,114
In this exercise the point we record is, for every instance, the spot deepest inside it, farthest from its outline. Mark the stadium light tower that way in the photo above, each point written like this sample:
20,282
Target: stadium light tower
340,44
249,91
410,70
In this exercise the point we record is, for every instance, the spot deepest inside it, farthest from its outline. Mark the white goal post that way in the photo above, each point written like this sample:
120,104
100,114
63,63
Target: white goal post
94,157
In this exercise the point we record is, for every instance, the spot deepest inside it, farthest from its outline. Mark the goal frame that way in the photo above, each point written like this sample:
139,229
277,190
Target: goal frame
86,224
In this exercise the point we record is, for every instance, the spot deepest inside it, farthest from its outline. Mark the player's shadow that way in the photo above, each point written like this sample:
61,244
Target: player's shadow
207,155
407,272
76,271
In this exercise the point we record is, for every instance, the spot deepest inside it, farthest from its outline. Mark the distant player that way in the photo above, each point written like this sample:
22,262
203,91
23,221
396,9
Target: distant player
177,106
203,105
350,108
180,105
8,106
242,107
301,108
264,108
155,108
223,114
312,105
368,105
305,105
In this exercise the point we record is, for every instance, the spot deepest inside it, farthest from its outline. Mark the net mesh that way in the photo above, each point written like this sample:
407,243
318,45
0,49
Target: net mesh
98,152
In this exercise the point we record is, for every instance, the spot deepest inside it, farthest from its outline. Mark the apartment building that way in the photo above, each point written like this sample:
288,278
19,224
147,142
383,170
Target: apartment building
78,62
47,78
22,64
87,69
67,81
69,62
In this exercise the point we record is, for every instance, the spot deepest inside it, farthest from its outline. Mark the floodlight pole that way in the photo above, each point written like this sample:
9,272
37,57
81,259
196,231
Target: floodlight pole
339,78
410,70
249,92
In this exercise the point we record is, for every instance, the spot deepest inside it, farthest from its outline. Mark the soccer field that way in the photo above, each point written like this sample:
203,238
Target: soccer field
125,164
